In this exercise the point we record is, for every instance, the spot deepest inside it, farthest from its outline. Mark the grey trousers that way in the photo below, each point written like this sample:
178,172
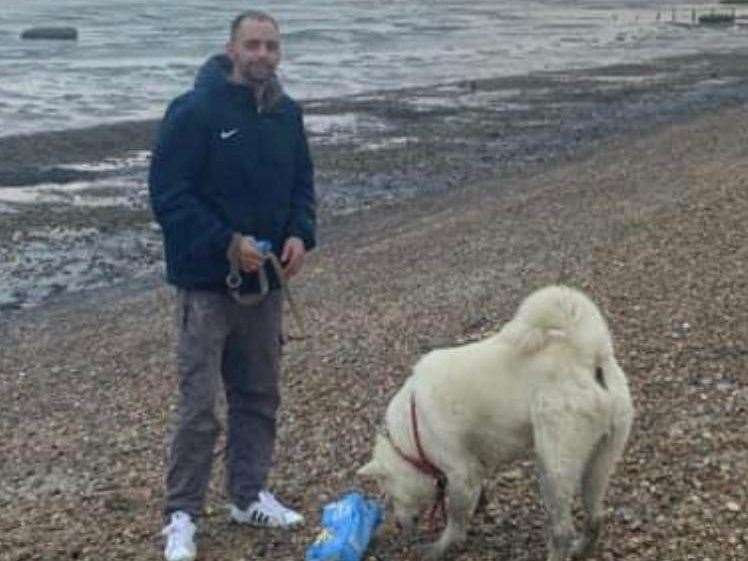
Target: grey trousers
223,341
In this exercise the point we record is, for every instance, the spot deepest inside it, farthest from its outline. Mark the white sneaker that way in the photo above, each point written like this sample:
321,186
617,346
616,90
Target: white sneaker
266,512
180,538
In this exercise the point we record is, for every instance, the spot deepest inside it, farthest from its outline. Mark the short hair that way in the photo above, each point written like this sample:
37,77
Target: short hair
255,15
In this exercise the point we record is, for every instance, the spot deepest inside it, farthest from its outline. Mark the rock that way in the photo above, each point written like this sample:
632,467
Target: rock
732,506
56,33
513,475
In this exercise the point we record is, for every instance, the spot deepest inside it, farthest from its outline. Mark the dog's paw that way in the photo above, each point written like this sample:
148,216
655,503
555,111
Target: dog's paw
585,545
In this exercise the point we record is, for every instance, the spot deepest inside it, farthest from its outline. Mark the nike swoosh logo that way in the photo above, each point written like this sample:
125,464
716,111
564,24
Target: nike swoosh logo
228,134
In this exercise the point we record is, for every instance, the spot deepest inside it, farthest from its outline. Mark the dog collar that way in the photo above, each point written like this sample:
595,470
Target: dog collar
423,464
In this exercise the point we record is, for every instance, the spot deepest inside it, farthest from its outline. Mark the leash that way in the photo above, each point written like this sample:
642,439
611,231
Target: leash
423,464
234,282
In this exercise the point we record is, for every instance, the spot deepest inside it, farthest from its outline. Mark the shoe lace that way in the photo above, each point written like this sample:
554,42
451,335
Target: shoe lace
269,499
280,510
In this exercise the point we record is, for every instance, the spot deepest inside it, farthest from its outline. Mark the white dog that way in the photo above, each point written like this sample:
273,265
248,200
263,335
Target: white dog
547,381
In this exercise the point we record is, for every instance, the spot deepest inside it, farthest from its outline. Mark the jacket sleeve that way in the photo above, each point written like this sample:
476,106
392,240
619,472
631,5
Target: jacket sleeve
191,229
303,217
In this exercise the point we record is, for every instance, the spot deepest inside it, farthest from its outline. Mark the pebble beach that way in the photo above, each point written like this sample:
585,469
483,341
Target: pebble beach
441,208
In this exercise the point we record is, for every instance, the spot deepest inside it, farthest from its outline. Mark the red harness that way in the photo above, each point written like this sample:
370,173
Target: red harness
426,466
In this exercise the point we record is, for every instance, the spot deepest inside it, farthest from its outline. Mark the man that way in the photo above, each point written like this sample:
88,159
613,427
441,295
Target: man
231,166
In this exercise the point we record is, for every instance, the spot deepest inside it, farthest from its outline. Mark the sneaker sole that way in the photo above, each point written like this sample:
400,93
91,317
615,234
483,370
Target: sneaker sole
188,557
267,526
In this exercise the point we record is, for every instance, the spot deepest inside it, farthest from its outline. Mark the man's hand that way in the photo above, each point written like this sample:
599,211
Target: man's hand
248,256
292,257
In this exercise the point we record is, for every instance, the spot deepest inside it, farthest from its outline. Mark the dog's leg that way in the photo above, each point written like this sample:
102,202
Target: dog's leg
463,493
557,496
564,439
594,484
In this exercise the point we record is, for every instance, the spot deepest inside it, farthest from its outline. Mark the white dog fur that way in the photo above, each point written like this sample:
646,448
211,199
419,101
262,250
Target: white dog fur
547,381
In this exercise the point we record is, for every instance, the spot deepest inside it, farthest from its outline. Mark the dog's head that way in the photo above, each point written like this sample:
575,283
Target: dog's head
410,490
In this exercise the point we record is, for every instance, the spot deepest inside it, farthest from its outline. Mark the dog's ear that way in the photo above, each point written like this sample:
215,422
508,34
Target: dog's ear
372,469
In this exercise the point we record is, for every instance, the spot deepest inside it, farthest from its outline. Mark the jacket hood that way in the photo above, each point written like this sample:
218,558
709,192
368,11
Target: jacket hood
214,73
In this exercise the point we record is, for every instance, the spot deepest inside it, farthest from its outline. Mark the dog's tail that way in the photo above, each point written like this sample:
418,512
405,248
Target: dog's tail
558,314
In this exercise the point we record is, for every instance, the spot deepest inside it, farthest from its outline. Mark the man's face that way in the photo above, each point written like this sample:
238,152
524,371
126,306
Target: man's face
255,51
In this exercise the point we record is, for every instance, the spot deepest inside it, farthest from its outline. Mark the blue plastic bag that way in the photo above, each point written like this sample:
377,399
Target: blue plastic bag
347,527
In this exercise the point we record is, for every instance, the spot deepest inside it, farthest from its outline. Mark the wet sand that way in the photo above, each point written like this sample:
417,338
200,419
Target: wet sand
94,228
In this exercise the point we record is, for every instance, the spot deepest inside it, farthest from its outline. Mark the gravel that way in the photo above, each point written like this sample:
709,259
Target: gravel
651,225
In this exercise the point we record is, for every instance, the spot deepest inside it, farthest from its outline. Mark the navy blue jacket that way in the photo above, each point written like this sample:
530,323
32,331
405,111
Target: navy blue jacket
221,166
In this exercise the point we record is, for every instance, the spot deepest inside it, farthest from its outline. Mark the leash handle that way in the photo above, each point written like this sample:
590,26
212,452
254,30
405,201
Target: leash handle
234,282
234,278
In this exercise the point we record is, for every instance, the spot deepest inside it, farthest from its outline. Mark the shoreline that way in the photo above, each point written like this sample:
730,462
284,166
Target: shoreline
31,158
370,151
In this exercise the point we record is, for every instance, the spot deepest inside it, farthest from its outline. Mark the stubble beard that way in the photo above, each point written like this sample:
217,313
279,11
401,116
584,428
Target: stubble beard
258,75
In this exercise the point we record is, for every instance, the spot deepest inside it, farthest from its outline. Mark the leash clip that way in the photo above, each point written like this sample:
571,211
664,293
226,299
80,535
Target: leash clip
233,280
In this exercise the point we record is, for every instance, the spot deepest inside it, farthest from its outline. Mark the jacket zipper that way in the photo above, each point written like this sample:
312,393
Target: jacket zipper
258,112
